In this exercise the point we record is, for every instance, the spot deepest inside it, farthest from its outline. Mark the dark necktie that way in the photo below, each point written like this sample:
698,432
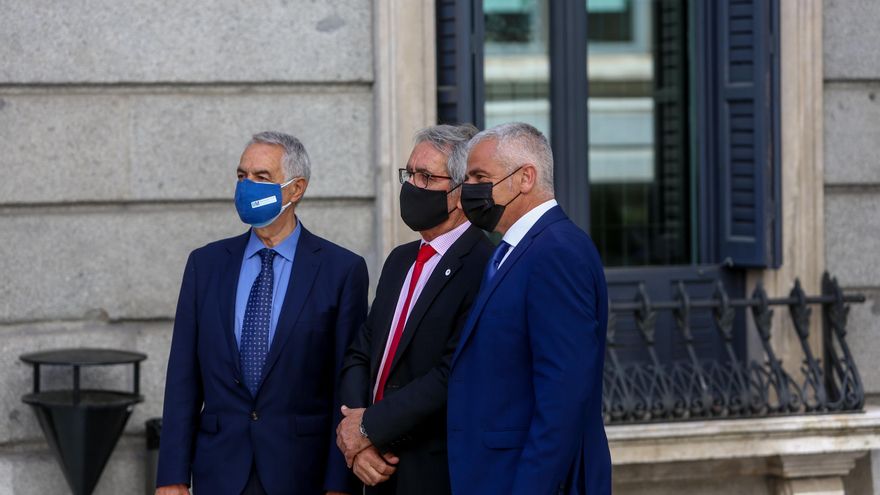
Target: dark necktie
254,346
425,253
495,262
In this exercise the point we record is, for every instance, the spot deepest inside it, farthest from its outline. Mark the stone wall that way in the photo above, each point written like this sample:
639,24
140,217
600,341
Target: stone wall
852,168
852,184
121,124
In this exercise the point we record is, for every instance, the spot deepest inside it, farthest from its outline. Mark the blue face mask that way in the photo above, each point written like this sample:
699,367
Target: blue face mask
259,203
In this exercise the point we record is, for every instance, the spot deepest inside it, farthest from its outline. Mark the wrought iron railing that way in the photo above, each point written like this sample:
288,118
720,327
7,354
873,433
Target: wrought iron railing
733,385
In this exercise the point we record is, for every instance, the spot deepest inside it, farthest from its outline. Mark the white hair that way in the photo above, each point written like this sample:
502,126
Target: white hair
452,141
294,160
519,143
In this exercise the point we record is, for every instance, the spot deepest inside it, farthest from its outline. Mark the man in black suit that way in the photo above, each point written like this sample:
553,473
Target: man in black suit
395,372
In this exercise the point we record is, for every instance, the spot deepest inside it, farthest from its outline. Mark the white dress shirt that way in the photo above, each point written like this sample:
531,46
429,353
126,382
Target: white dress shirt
521,227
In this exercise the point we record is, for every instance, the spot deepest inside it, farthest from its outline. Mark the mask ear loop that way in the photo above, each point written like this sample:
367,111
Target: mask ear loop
504,179
449,191
512,200
508,176
284,207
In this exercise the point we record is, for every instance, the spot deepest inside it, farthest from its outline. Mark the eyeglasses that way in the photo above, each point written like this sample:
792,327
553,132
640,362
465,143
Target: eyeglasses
419,179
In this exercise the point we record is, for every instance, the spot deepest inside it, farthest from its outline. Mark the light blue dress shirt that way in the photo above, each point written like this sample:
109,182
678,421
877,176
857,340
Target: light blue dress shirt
282,266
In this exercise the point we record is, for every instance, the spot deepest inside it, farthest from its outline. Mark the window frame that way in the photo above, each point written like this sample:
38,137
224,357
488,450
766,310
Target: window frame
569,91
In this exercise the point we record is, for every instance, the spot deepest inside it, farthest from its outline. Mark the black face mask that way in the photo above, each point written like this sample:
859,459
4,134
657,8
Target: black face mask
423,209
478,205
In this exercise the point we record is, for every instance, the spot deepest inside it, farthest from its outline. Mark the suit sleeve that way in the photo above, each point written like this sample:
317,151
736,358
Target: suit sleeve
399,413
354,389
351,315
183,388
561,311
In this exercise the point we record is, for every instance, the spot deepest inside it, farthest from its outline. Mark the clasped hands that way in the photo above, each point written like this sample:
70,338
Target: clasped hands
368,464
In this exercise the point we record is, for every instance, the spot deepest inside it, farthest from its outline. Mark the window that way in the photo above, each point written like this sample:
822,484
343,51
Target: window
640,173
516,63
610,21
662,117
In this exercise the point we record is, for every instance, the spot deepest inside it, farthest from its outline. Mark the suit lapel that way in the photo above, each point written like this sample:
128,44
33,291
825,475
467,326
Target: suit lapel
302,278
487,290
228,291
442,273
384,325
553,215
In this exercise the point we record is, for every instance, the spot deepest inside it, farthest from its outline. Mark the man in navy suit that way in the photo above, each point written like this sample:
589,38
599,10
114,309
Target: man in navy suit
525,391
262,324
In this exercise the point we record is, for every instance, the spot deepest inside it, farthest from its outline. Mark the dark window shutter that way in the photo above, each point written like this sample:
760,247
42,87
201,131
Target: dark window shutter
459,62
747,154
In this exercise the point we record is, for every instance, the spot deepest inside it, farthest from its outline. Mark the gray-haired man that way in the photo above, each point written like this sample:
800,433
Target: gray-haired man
398,365
262,323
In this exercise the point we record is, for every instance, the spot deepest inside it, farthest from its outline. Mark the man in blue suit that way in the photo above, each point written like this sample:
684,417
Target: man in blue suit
525,391
263,321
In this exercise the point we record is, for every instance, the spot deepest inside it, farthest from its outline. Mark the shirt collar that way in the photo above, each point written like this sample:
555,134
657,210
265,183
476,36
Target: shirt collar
443,242
521,227
286,249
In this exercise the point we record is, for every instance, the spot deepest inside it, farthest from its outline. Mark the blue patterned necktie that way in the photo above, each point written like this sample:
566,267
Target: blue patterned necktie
495,262
254,346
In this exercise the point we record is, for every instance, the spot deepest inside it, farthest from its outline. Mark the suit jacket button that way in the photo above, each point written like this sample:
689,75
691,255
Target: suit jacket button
254,415
237,381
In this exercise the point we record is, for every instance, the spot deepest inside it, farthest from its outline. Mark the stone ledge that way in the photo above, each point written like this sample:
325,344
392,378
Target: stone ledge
814,465
744,438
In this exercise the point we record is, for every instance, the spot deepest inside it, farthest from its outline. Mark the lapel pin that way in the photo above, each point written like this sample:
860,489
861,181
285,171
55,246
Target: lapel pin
448,271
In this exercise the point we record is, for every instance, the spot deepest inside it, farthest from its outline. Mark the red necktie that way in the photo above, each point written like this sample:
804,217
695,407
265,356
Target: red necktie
425,253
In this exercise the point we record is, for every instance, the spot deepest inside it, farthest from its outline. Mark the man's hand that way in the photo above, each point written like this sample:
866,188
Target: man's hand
173,490
348,434
373,468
